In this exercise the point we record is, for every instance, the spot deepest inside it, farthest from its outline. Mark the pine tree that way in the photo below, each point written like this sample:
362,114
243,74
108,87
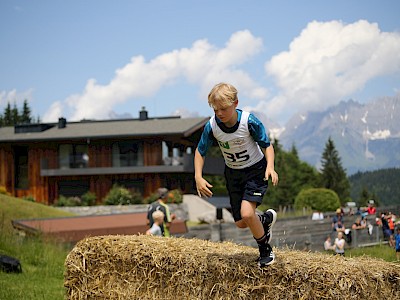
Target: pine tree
25,117
294,175
333,176
15,115
7,118
364,197
12,116
294,151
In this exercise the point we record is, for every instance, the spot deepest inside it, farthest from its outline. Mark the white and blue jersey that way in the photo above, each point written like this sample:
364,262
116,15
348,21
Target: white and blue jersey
240,144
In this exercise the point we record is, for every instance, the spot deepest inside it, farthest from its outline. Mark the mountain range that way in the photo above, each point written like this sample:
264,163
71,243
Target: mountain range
366,136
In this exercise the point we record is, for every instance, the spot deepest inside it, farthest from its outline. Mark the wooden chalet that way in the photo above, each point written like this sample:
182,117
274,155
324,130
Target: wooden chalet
45,161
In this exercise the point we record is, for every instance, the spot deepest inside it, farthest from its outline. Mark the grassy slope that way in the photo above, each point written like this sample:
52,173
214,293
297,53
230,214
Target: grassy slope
42,263
14,208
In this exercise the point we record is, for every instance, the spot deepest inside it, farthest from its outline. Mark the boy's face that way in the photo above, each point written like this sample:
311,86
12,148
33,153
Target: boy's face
227,114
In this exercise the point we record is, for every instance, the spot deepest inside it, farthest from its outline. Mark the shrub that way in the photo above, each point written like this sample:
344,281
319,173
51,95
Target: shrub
70,201
319,199
88,199
118,195
136,198
150,199
175,196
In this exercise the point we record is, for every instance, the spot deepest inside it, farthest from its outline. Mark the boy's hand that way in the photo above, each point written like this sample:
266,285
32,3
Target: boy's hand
203,188
269,172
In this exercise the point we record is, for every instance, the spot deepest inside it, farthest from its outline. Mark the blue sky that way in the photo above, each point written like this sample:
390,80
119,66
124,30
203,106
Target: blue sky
99,59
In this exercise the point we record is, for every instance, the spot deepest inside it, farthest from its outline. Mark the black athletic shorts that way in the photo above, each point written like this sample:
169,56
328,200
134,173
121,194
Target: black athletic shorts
246,184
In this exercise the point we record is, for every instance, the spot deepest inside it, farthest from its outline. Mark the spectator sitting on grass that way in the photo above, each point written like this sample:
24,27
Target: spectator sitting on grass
339,244
328,244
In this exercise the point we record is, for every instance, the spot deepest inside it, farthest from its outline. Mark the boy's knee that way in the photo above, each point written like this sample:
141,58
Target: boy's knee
247,217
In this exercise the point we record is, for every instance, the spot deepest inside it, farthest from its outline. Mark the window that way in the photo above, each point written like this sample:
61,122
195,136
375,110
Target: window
73,188
73,156
127,154
21,167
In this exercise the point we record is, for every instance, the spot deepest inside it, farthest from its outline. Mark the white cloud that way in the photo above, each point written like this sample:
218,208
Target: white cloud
14,97
184,113
326,63
54,112
203,64
330,61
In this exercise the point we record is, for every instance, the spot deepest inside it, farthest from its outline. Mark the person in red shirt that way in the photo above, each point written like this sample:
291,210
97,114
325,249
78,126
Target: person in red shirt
391,223
371,210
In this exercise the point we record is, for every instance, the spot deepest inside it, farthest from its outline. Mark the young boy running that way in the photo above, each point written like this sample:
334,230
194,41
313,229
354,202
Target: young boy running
249,163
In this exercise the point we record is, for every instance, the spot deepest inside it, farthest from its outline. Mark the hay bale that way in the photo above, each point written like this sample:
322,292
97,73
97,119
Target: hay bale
147,267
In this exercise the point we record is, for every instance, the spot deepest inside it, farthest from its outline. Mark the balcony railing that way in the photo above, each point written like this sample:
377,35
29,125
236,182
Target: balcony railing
102,165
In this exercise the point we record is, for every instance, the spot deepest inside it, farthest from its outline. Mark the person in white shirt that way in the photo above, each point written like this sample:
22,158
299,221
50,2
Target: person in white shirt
339,244
158,217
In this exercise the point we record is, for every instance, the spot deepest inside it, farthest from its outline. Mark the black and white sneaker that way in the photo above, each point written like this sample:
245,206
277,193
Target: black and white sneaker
268,220
267,256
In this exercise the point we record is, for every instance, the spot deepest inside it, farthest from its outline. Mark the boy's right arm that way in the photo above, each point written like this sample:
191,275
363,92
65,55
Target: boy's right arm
201,184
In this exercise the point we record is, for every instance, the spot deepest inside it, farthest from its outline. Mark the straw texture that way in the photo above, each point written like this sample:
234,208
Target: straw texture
148,267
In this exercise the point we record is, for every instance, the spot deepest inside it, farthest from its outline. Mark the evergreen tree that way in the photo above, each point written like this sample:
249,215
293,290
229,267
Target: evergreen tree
383,184
38,120
12,116
7,118
364,197
294,175
333,176
25,117
15,115
294,151
376,199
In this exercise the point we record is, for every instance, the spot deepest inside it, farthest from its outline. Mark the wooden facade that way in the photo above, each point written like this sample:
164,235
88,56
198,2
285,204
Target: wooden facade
43,176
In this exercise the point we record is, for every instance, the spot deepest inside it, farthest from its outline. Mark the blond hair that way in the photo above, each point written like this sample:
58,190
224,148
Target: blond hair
158,215
223,94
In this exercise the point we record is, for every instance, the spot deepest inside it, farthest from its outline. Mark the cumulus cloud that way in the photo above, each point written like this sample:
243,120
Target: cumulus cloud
203,65
14,97
328,62
184,113
54,112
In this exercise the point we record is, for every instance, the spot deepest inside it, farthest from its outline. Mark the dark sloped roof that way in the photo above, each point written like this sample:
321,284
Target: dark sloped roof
109,129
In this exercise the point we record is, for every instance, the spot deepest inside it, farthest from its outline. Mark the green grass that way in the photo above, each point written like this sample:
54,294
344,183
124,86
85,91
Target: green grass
42,261
15,208
382,251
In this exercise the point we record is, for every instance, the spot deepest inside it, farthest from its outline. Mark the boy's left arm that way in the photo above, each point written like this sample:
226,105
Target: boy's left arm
270,171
